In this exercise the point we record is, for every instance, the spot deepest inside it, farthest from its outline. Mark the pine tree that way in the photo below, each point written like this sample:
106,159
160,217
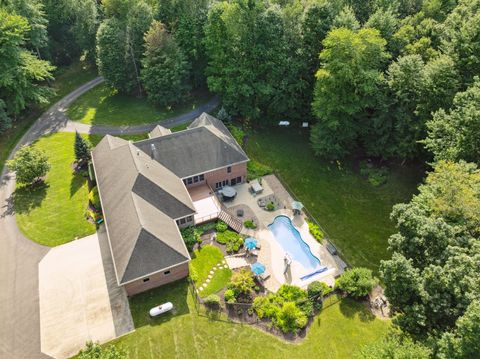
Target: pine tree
82,149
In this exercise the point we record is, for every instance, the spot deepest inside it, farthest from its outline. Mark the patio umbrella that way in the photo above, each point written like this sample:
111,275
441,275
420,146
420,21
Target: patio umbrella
297,205
250,243
258,268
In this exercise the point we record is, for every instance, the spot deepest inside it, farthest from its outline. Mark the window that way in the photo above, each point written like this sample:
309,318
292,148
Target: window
146,280
189,218
166,272
233,181
218,185
185,182
229,169
239,179
182,220
189,180
178,222
225,182
201,177
195,179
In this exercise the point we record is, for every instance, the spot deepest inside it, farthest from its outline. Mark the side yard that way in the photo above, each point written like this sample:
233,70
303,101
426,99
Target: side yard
104,106
337,332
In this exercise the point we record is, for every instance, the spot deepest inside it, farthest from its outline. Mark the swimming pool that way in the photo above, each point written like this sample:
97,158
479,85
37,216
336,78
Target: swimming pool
292,243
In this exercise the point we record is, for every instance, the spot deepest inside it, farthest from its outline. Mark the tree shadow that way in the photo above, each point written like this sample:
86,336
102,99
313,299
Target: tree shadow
77,182
351,308
176,293
27,198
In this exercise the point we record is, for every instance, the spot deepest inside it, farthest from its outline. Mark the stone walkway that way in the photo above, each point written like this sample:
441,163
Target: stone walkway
218,266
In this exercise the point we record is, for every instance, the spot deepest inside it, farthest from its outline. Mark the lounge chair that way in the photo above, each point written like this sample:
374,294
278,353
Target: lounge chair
263,277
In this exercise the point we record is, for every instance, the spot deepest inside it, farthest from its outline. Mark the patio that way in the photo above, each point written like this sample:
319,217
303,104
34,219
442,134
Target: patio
271,253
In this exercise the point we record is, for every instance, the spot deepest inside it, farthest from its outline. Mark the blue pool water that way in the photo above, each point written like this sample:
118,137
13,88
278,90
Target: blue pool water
291,241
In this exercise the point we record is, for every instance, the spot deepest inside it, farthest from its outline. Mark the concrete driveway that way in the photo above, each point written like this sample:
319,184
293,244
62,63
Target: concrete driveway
79,299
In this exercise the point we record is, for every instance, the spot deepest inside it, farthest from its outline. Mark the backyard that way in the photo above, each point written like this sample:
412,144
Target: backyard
104,106
337,332
353,212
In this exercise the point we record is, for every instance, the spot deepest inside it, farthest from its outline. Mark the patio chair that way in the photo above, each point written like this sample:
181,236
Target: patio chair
263,277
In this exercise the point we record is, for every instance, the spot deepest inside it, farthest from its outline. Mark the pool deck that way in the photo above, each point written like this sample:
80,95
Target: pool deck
271,253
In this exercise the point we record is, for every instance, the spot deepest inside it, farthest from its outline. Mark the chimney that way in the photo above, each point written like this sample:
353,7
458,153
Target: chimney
138,152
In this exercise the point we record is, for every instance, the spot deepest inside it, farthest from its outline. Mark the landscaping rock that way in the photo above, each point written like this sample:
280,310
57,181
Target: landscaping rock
207,281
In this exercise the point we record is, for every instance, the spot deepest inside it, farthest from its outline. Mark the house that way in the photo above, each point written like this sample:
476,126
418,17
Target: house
151,188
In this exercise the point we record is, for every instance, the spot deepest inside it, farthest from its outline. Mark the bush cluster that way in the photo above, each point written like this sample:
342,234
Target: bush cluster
256,169
316,291
212,301
191,236
237,133
233,241
357,282
288,309
270,206
229,296
207,227
241,284
250,224
376,176
221,226
315,231
94,198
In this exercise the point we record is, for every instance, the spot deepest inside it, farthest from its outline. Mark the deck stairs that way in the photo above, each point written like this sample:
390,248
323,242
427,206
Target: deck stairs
232,221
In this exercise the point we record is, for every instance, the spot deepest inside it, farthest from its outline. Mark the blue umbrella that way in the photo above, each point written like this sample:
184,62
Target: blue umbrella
250,243
258,268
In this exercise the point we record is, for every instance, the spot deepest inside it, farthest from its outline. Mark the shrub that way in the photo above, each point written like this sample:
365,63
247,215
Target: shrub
207,227
96,351
82,149
191,236
30,164
376,176
242,282
223,115
250,311
256,169
290,318
249,224
94,198
221,226
229,296
193,273
357,282
212,301
265,307
237,133
318,289
315,231
232,240
270,206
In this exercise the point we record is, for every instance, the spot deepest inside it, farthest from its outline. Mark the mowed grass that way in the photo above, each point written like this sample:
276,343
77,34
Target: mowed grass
337,332
203,261
67,79
354,213
103,105
53,213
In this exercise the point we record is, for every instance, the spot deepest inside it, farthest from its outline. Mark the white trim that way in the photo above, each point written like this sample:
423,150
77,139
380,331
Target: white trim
158,271
215,169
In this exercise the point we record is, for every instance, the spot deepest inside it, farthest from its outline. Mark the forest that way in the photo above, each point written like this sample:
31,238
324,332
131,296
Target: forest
389,80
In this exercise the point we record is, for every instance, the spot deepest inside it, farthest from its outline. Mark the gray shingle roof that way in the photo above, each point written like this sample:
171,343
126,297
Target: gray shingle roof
159,131
206,145
140,200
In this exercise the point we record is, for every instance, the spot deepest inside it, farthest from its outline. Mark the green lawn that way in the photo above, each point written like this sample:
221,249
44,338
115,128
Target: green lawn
202,263
104,106
67,79
340,330
53,213
354,213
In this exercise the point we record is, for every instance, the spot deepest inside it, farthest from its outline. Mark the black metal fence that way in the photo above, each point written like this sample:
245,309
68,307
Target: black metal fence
310,216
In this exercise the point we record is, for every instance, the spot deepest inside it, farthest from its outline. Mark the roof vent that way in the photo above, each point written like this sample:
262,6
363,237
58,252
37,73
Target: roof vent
152,150
138,152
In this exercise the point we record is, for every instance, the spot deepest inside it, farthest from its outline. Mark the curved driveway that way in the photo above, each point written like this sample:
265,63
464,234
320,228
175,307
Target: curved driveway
19,257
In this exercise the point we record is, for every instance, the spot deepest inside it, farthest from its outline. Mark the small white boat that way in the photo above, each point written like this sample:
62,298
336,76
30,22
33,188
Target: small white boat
162,308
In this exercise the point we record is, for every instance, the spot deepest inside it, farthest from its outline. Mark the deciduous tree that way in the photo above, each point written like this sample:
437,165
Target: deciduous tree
30,164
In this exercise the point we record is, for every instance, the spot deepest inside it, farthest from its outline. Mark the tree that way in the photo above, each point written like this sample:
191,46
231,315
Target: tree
72,25
346,19
165,69
455,134
112,61
386,21
348,90
242,282
463,342
82,149
30,164
433,275
357,282
95,351
291,318
22,74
